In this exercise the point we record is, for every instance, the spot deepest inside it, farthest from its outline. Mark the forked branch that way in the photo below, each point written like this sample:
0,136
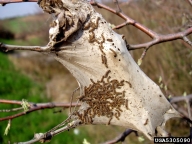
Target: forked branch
136,83
32,107
45,137
156,38
121,137
6,48
180,98
190,1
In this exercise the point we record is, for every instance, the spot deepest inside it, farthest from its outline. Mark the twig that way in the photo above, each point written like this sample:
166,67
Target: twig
34,107
190,1
164,38
117,6
10,101
6,47
180,109
187,119
127,19
157,38
187,100
189,110
11,110
180,98
173,100
4,2
47,136
121,137
66,120
187,40
72,97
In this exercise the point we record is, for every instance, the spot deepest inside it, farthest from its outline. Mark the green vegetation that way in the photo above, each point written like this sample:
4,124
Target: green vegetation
19,26
16,86
13,42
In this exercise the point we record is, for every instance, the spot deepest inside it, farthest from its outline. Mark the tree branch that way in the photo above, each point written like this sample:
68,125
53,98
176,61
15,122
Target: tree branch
44,137
121,137
4,2
34,107
128,20
187,100
164,38
157,38
190,1
11,110
173,100
6,48
180,98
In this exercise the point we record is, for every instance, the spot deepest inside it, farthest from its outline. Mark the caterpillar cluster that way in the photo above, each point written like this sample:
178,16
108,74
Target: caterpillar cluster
103,99
92,26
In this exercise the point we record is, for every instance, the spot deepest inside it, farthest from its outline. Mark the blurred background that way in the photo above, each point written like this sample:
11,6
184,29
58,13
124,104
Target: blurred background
38,78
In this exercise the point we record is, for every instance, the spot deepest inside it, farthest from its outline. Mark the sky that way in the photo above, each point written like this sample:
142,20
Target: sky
19,9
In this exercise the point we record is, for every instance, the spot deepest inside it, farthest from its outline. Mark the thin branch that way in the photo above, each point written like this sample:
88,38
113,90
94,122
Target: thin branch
118,9
164,38
44,137
11,110
190,1
34,107
157,38
173,100
4,2
10,102
187,41
187,100
126,18
180,98
189,110
66,120
72,97
121,137
180,110
6,47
